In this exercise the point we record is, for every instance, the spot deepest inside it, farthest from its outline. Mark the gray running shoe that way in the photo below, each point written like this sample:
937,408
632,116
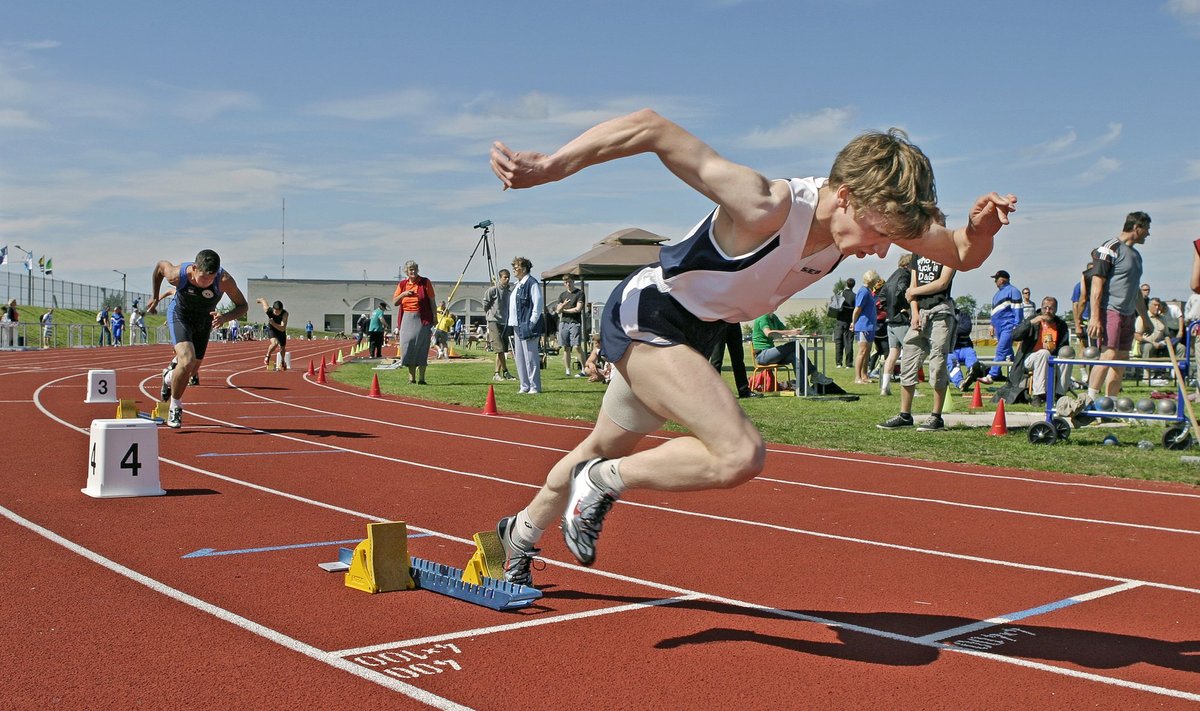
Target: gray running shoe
517,560
585,514
933,424
175,418
897,422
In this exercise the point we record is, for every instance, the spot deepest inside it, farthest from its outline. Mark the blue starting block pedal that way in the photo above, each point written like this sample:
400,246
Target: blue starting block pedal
447,580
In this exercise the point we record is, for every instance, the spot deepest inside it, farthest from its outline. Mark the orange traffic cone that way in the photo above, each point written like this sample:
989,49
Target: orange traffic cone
322,362
977,398
375,386
311,370
999,426
321,373
489,407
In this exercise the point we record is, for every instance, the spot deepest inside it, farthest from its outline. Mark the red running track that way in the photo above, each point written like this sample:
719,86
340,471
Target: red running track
832,581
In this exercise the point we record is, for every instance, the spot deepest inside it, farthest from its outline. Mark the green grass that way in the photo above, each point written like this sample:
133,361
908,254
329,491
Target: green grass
840,426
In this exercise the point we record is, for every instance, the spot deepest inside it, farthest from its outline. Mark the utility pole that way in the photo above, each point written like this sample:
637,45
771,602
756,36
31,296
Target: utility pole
124,296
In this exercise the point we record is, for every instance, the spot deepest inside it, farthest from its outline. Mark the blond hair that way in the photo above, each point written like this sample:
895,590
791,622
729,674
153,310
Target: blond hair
887,174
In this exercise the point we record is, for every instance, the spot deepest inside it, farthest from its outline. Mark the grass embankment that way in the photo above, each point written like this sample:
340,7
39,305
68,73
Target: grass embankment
841,426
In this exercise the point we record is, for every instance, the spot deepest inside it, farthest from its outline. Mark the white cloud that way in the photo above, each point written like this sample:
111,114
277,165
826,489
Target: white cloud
1192,170
378,107
1185,9
823,128
1098,171
207,105
16,119
1067,147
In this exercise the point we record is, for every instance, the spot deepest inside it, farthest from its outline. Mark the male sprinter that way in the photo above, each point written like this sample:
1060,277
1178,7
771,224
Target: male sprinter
191,317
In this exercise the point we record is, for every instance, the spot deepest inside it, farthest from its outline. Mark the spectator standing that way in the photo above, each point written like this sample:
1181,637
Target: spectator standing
570,324
375,331
495,309
1081,310
118,326
1116,300
930,334
234,330
308,331
442,327
8,325
47,322
1006,314
737,359
360,328
102,318
864,326
414,299
843,328
898,318
526,317
1028,308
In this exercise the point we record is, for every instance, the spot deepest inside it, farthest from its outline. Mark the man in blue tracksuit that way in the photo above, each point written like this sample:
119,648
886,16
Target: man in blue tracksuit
1006,314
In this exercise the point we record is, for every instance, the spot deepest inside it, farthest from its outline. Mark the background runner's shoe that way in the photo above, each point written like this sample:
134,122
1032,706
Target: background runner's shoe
175,418
166,382
195,380
585,514
517,560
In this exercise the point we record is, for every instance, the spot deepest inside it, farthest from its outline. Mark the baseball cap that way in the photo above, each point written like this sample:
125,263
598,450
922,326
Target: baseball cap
1001,273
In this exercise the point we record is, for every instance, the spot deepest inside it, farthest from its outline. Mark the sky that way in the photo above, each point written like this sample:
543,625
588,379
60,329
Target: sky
137,131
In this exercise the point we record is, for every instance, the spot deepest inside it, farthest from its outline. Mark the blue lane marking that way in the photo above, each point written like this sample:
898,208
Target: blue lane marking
269,454
207,552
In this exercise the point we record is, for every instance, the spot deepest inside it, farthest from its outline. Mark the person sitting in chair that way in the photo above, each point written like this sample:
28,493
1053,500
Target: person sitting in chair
1036,339
762,335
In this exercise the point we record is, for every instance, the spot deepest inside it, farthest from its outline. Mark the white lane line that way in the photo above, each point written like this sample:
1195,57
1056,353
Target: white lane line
522,625
980,507
221,613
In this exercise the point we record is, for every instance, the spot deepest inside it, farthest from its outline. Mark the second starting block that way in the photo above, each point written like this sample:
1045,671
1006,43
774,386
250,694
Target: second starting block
128,410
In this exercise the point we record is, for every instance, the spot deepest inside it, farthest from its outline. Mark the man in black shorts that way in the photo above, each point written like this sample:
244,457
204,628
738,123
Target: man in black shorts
191,317
277,318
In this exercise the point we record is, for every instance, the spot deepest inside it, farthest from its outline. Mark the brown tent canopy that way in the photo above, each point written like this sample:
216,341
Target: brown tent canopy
614,257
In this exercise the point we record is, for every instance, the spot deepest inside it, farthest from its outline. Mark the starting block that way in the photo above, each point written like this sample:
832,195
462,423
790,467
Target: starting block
372,568
488,560
128,410
381,563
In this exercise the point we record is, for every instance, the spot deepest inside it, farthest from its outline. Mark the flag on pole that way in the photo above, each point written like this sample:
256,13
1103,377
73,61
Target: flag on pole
49,267
42,263
3,255
29,263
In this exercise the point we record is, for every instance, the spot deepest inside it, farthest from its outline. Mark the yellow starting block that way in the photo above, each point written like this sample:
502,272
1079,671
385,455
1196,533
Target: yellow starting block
128,410
488,560
271,367
381,563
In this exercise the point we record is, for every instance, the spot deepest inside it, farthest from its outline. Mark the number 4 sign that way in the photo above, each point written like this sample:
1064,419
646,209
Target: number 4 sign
123,459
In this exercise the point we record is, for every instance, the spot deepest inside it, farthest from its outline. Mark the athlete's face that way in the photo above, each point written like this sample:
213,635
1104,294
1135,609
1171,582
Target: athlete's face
201,279
860,236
